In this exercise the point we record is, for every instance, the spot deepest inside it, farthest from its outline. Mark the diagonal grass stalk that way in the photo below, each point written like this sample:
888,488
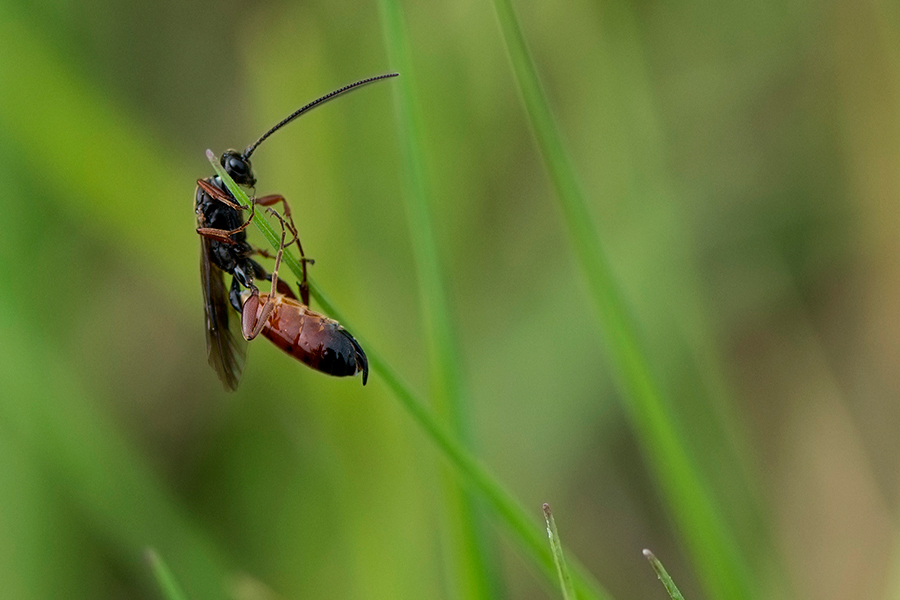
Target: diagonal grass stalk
472,473
711,544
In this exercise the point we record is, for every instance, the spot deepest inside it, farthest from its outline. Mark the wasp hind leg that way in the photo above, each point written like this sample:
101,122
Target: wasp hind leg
252,319
287,221
260,273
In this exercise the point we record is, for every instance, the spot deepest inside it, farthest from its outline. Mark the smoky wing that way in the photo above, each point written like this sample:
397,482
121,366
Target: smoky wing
225,346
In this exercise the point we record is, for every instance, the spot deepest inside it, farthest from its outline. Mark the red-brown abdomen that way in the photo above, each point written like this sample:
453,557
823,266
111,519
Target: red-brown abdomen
313,339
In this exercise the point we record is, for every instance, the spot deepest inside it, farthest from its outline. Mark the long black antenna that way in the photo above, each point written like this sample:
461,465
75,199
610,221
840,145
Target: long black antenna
311,106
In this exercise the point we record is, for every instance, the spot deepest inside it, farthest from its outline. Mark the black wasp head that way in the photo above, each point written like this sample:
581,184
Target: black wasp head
238,168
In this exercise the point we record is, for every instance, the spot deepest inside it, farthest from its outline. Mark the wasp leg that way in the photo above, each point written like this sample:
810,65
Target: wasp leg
217,194
304,290
234,295
266,254
278,256
220,235
260,273
251,322
267,201
285,216
223,235
283,288
273,199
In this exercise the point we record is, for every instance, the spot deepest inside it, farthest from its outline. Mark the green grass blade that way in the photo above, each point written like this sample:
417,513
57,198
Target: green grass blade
439,326
565,579
663,575
471,471
701,524
167,584
517,520
468,545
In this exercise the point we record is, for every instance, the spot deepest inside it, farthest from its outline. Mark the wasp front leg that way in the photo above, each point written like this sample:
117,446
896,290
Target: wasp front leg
217,194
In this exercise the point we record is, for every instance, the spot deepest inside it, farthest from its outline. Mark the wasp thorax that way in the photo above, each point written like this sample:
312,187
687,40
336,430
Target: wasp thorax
238,168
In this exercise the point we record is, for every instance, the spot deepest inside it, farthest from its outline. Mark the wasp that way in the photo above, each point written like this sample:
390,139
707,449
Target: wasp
314,339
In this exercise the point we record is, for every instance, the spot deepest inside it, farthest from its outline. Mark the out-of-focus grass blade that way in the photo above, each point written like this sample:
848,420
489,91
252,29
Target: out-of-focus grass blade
472,472
94,467
565,580
468,545
664,576
164,577
42,96
714,552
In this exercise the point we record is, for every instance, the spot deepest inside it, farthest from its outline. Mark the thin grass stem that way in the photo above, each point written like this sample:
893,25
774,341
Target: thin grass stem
663,575
565,578
473,474
468,544
711,544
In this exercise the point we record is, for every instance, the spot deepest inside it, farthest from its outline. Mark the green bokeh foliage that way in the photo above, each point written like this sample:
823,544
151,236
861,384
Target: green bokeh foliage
736,161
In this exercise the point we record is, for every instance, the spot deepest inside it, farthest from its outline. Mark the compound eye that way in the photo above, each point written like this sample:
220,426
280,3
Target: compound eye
237,167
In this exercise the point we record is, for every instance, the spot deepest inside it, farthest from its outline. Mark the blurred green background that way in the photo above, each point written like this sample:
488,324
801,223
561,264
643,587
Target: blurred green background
742,165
